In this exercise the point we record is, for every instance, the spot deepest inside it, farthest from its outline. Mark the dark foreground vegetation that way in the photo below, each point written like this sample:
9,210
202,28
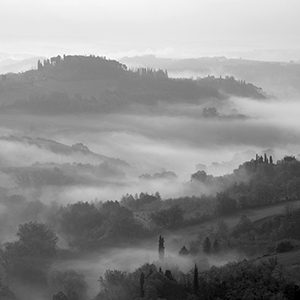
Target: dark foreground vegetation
27,262
239,280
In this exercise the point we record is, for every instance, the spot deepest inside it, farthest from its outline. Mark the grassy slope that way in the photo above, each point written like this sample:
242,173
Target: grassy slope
176,239
290,260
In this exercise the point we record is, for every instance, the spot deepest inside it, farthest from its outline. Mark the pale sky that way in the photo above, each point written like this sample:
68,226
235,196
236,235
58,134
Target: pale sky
169,28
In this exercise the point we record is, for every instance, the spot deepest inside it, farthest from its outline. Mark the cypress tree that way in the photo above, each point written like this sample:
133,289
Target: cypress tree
196,280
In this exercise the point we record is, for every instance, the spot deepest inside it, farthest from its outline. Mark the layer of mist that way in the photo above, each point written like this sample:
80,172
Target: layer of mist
175,142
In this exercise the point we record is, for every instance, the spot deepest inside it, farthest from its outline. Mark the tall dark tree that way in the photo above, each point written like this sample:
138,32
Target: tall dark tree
142,282
271,159
161,248
196,280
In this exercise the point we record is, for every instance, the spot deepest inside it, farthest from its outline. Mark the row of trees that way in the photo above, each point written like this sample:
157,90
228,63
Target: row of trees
74,67
242,280
255,183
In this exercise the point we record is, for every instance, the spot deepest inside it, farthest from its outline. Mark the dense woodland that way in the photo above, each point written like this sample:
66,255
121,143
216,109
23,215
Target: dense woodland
87,227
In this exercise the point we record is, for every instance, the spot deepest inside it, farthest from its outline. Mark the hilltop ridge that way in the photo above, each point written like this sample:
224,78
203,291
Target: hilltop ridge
72,84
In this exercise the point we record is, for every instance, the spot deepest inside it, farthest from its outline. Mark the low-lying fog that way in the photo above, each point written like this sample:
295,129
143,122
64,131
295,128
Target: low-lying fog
130,259
177,138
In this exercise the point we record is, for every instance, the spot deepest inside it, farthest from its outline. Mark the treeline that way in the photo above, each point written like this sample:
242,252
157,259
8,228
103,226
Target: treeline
40,175
232,86
238,280
261,182
255,183
86,227
77,67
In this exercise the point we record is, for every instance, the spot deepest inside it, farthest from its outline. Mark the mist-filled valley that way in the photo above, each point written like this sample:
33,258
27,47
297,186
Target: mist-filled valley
162,187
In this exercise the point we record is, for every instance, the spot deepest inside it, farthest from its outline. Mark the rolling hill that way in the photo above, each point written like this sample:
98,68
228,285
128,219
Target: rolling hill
73,84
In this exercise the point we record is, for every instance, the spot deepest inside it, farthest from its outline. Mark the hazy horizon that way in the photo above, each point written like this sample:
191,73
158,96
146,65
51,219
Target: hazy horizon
256,30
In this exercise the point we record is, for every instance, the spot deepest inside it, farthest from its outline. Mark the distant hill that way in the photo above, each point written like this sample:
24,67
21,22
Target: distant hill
50,163
72,84
78,149
280,79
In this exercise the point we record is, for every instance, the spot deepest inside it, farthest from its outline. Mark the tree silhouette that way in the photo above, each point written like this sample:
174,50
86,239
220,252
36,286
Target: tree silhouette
196,280
266,158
